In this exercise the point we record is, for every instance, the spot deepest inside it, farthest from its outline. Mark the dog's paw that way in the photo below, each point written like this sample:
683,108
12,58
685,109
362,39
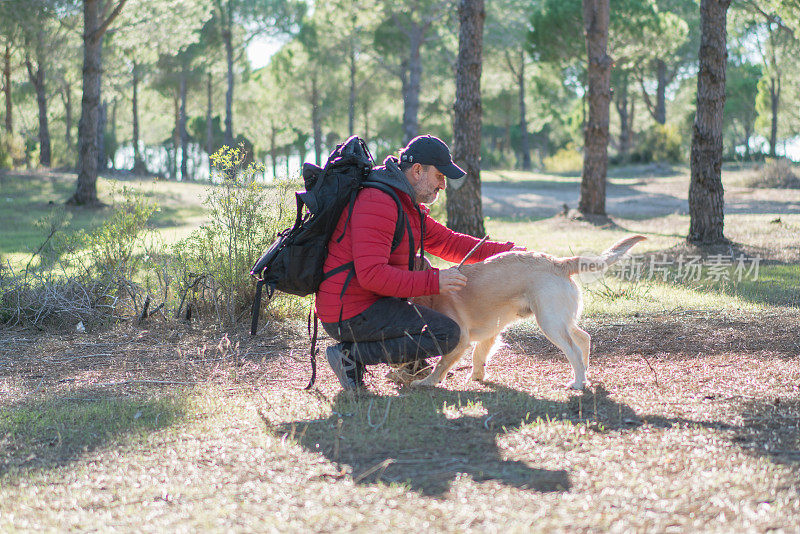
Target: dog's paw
578,386
424,383
477,377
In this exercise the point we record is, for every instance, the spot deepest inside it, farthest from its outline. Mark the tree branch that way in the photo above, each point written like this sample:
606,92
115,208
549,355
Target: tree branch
106,23
650,107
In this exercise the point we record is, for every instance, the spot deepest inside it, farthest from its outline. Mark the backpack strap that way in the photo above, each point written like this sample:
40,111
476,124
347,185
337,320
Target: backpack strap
313,350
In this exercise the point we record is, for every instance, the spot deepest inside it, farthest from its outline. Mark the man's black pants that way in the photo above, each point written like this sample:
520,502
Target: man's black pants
395,331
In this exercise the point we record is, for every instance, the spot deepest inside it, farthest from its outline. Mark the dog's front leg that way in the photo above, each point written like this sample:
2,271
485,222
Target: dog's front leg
445,364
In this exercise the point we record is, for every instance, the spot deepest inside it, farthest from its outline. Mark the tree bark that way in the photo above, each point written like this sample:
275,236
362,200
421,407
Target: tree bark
176,136
102,157
68,115
316,119
595,134
621,100
464,209
86,189
523,119
7,88
138,162
774,102
37,78
273,149
411,86
661,92
351,116
228,39
209,119
365,106
184,137
705,190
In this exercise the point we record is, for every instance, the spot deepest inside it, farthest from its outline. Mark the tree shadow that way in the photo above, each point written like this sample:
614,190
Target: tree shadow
427,439
51,431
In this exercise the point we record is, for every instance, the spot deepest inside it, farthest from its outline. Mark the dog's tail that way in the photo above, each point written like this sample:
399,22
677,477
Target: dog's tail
597,264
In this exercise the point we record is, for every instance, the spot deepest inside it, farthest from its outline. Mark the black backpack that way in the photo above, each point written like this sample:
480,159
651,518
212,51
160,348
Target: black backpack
293,263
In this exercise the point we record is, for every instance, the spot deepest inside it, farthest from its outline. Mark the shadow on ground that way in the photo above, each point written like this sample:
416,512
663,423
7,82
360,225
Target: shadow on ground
52,431
427,439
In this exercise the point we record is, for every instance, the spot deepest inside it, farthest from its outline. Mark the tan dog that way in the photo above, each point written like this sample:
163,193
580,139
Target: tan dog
511,286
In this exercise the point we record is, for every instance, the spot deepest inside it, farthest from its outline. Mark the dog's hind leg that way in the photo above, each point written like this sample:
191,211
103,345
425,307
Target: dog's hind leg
558,332
583,340
480,357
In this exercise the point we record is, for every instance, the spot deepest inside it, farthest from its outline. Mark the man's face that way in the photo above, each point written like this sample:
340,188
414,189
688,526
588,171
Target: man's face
427,181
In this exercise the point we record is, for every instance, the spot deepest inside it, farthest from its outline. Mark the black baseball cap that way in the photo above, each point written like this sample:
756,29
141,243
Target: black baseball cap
430,150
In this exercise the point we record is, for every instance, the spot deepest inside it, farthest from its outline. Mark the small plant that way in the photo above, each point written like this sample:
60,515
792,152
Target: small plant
214,262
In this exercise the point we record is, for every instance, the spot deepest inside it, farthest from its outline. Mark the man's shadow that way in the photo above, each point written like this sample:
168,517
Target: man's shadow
427,439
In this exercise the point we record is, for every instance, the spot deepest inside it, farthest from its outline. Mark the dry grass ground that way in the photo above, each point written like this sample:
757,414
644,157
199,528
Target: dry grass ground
692,422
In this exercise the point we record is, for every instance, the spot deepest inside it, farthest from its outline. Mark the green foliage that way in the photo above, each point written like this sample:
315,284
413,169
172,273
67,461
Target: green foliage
111,247
565,160
214,261
660,143
12,150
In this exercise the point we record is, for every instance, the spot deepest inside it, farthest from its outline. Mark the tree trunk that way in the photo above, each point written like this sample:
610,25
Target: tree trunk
102,157
86,190
747,134
411,87
228,38
464,209
138,162
273,149
176,136
209,119
316,120
68,115
365,105
705,190
621,103
112,156
7,88
182,129
774,101
524,140
351,117
595,134
37,78
661,92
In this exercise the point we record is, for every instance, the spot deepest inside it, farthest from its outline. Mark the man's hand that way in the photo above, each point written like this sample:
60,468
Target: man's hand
451,280
518,248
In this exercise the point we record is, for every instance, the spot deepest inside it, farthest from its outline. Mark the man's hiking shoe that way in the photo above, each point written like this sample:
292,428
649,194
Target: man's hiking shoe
349,372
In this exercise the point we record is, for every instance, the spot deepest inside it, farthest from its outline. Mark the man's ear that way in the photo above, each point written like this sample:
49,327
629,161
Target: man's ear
414,171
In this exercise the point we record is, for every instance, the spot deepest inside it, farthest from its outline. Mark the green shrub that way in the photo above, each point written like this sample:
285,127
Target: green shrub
12,151
111,246
213,263
565,160
660,143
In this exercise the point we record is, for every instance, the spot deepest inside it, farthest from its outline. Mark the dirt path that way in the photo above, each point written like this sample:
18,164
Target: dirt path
629,199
